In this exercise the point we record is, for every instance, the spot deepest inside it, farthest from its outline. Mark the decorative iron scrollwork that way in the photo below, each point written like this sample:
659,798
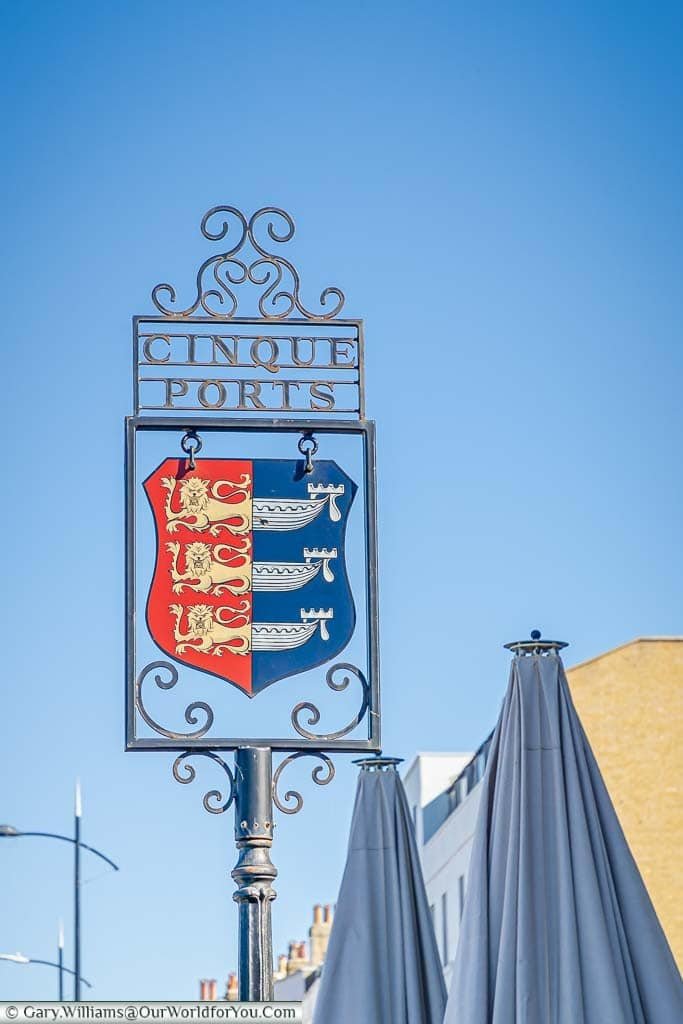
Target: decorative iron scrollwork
314,716
184,773
322,775
190,710
219,276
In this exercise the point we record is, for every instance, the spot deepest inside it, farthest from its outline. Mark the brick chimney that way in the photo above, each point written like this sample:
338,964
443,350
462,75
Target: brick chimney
207,990
231,991
298,957
319,933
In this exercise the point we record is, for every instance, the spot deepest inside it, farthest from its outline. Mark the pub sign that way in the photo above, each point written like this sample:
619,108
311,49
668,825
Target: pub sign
254,563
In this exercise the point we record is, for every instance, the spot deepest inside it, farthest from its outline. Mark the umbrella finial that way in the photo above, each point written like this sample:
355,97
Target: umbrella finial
536,645
378,763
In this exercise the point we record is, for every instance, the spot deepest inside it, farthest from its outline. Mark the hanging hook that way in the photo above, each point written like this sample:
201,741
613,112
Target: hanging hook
191,444
308,446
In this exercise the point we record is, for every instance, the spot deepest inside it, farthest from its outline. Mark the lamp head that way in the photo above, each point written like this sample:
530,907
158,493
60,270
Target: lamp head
9,830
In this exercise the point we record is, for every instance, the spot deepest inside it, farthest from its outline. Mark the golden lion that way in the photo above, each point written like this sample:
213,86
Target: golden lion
206,507
207,632
208,568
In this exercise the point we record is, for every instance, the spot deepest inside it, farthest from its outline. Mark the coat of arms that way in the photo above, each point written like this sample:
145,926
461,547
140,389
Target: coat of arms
250,582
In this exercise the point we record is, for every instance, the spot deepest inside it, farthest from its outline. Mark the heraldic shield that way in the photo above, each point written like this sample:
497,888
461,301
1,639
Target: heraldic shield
250,582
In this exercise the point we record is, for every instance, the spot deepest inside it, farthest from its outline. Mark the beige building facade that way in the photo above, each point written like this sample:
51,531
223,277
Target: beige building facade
630,702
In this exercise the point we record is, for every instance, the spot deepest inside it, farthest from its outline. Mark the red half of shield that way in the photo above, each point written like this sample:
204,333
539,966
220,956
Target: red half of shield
199,608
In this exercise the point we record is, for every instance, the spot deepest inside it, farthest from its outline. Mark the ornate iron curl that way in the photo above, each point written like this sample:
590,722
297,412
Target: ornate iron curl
190,716
184,773
269,270
314,717
317,775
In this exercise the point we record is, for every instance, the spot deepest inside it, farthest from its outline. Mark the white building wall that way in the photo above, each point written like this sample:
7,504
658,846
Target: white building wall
291,988
299,987
428,775
445,855
445,862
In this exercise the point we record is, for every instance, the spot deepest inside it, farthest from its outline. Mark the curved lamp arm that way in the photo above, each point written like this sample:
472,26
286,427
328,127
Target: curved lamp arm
66,839
16,958
49,963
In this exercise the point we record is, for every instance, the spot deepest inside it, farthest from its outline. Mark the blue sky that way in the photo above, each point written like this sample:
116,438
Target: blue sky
497,189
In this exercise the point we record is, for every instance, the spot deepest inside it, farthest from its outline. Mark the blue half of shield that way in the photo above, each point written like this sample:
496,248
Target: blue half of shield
299,567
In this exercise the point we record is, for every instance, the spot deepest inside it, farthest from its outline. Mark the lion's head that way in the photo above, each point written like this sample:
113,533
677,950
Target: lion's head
198,558
193,494
200,619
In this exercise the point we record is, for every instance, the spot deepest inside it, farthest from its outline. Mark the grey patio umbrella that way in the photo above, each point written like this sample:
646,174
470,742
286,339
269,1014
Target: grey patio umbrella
557,926
382,964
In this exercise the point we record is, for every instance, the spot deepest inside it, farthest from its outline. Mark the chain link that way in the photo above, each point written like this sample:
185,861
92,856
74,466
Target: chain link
191,444
308,446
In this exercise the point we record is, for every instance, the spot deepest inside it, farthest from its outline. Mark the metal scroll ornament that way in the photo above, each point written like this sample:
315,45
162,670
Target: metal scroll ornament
220,276
338,678
184,772
350,671
344,669
292,801
168,684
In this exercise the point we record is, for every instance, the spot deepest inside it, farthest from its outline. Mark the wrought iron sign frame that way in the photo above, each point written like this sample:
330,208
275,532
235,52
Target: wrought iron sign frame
216,307
338,676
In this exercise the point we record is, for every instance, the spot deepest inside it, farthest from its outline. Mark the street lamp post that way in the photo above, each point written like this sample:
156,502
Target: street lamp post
77,892
19,958
60,958
254,872
9,831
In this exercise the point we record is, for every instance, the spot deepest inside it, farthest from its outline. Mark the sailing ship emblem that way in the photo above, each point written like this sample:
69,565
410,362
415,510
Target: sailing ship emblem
250,580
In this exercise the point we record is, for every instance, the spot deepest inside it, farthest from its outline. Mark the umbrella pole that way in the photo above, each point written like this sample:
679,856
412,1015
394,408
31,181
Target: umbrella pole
254,873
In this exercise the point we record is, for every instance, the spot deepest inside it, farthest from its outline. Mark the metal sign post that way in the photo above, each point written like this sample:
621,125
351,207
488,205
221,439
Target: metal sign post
251,540
254,873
